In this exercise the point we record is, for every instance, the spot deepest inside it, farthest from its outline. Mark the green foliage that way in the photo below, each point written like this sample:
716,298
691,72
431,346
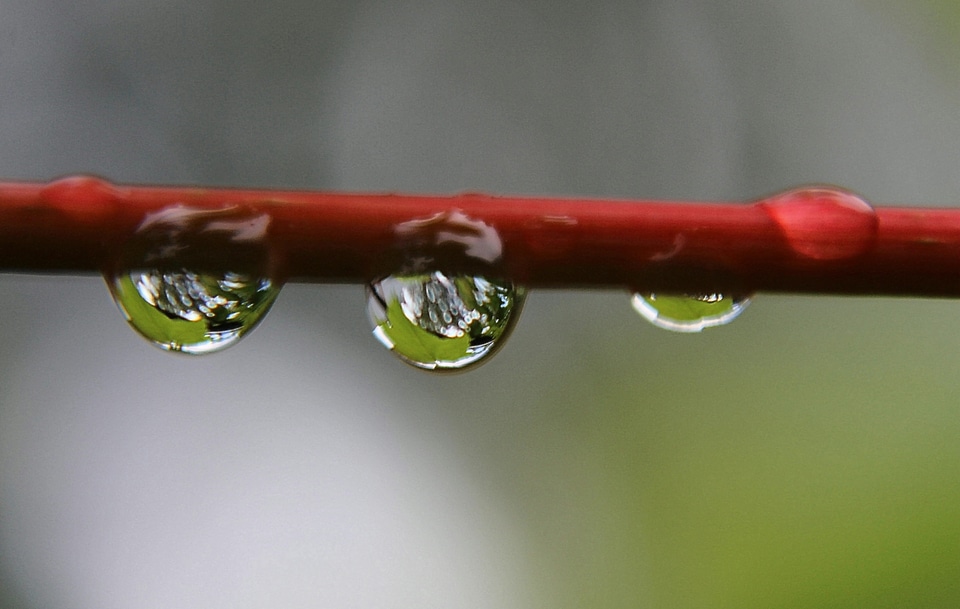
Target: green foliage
193,313
812,462
153,323
685,308
420,345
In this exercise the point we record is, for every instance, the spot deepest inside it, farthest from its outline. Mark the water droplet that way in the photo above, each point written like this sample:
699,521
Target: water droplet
88,199
437,321
170,284
438,304
190,312
686,313
824,223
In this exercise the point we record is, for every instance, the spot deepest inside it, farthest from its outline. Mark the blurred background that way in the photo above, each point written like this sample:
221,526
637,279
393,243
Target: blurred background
807,455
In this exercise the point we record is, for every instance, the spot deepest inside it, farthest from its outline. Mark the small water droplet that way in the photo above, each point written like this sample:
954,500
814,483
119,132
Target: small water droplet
437,321
170,286
824,223
88,199
689,313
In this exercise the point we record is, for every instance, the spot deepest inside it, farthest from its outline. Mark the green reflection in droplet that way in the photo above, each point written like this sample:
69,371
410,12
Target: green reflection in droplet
191,312
689,313
436,321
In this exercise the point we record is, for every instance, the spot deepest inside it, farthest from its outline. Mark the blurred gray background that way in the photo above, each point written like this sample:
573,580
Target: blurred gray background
808,455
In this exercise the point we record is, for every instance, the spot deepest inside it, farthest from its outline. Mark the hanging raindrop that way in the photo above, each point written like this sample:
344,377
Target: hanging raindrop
170,287
190,312
686,313
440,306
436,321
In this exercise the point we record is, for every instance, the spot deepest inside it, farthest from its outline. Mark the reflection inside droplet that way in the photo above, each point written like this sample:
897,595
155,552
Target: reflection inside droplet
168,285
689,313
436,321
189,312
439,304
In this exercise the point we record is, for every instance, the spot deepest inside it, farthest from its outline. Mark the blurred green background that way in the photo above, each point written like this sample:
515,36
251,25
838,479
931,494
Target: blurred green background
807,455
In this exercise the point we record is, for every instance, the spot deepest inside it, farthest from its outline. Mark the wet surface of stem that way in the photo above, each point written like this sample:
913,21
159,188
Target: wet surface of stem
815,240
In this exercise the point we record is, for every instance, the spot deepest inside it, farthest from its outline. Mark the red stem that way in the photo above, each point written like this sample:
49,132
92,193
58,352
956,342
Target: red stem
818,240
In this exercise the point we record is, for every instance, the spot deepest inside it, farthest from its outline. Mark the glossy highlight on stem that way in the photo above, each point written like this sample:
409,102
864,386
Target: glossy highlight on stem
810,240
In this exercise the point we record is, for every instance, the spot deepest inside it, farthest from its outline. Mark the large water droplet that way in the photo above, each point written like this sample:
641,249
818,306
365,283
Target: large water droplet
824,223
438,304
436,321
191,312
688,313
170,284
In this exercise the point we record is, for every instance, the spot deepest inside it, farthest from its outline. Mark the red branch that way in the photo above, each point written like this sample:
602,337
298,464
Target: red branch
818,240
